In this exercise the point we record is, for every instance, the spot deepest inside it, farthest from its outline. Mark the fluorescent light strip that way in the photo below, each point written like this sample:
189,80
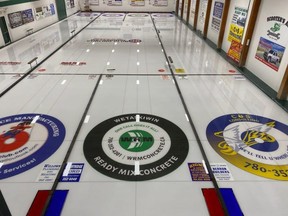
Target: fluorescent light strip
186,117
137,168
205,168
63,82
35,119
137,82
67,168
87,119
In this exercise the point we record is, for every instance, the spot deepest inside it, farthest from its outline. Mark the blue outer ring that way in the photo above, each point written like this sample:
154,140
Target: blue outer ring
48,148
221,122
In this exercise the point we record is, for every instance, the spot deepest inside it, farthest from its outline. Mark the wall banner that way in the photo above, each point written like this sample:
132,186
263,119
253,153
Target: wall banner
271,46
270,53
20,18
202,11
217,16
234,51
237,24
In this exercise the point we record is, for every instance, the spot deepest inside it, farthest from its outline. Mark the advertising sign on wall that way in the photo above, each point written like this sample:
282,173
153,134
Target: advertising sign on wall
202,12
27,16
270,53
237,24
20,18
271,47
137,3
234,51
159,2
217,16
94,2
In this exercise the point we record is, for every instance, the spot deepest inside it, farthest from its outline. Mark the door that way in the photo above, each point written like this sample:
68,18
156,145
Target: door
4,30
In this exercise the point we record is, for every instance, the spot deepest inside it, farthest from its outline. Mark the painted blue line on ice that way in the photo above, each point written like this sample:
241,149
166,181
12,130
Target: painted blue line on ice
231,202
57,202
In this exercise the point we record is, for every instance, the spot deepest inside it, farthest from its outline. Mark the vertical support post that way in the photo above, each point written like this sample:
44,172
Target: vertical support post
182,8
223,23
196,14
207,18
188,11
283,90
249,32
177,7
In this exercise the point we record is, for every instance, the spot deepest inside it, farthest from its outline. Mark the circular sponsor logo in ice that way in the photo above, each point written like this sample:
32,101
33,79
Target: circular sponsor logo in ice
27,140
114,146
253,143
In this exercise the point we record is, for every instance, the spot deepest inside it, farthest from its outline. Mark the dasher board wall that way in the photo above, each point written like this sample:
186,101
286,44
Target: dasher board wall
267,56
129,5
39,14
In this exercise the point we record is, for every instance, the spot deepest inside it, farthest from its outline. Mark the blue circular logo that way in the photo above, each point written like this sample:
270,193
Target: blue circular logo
26,140
253,143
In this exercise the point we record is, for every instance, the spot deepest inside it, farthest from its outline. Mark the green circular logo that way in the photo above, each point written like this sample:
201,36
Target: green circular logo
136,141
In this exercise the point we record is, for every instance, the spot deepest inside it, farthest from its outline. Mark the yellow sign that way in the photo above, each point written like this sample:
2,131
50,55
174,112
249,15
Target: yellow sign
179,70
235,33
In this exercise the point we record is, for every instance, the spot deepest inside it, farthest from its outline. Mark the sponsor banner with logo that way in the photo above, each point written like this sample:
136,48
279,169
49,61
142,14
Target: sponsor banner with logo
72,172
221,172
217,16
160,3
270,53
49,173
136,147
137,3
20,18
271,46
202,11
234,51
237,25
27,140
94,2
113,2
253,143
197,172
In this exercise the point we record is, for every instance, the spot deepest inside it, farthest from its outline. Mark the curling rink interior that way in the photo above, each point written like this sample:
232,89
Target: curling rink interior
133,114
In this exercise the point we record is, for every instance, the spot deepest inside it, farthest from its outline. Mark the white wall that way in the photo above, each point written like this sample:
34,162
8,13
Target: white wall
234,3
267,74
127,7
21,31
213,34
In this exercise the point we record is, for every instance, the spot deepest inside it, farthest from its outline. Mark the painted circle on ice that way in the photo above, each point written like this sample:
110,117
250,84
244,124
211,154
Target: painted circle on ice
252,143
113,146
27,140
112,15
162,15
138,15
